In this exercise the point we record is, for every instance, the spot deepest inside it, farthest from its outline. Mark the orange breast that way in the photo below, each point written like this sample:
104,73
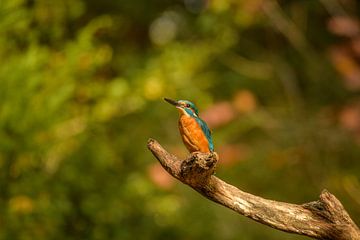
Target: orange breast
192,135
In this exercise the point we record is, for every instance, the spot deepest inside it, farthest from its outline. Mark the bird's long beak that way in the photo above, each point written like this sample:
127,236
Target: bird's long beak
173,102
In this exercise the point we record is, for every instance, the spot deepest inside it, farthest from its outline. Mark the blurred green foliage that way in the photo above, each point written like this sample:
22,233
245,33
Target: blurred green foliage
81,87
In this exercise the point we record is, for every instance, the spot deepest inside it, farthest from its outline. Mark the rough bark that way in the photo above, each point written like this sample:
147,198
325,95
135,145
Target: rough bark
325,218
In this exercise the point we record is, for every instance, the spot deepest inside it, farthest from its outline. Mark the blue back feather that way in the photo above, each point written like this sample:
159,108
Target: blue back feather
207,132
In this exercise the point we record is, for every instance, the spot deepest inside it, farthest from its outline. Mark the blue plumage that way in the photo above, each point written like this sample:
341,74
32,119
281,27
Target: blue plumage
206,131
193,112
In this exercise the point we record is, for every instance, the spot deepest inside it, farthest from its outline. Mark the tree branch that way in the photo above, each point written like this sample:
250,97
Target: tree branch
325,218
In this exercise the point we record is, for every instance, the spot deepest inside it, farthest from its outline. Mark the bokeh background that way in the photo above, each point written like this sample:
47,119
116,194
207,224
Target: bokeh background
81,87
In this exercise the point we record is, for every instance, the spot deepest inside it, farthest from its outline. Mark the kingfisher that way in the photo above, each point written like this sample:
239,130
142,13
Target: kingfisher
194,131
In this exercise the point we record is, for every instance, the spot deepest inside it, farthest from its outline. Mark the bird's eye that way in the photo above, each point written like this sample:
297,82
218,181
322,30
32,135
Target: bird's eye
187,105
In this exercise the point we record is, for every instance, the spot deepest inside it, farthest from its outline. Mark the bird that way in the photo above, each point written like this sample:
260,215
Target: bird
194,131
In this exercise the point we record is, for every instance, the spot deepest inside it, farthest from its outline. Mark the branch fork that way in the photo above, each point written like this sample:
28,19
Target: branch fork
325,218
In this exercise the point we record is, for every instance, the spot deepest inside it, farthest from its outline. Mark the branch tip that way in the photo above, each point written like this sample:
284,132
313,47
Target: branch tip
150,141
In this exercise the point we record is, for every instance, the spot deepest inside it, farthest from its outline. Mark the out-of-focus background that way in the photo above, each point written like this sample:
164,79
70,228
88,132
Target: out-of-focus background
81,87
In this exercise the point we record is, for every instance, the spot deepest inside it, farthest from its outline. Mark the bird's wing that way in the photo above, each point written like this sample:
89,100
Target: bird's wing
207,132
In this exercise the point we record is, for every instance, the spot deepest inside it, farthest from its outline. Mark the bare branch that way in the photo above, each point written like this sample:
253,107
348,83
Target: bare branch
325,218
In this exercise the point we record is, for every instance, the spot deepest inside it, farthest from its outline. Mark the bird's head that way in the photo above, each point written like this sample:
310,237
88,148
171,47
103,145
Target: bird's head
184,106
